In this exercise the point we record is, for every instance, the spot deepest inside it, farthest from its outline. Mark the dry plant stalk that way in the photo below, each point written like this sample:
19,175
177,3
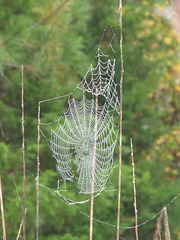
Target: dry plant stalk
158,227
19,232
93,172
24,164
120,141
166,225
37,178
159,232
2,212
134,185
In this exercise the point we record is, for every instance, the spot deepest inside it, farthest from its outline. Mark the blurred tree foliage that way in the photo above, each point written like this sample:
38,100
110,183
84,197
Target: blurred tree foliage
56,41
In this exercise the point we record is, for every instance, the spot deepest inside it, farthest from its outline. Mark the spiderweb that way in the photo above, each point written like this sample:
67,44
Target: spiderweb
75,139
72,140
84,139
99,80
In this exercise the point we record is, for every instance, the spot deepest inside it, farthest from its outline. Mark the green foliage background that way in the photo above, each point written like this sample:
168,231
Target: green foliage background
56,48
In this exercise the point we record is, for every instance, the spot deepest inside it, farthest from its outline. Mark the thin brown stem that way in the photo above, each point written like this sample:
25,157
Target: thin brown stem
93,173
166,225
37,178
24,164
158,227
2,212
159,233
20,227
120,140
134,185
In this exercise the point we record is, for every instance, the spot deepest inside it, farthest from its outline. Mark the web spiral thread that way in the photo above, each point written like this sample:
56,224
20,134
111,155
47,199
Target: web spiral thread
72,142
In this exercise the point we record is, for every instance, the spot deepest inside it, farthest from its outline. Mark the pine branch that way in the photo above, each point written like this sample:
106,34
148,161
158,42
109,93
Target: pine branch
49,15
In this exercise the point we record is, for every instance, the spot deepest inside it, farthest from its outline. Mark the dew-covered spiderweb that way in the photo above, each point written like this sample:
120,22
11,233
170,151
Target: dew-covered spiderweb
85,136
73,140
99,80
89,116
